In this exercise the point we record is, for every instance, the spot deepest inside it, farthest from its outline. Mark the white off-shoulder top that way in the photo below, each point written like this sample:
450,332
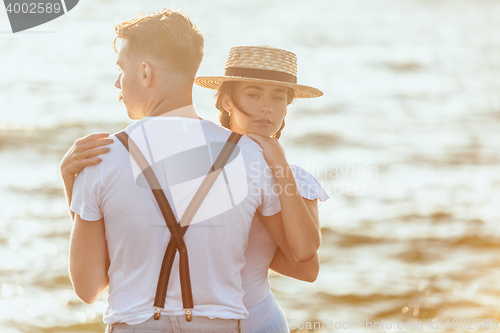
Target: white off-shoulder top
262,247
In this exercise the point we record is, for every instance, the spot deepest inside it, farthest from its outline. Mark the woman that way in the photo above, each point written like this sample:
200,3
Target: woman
252,99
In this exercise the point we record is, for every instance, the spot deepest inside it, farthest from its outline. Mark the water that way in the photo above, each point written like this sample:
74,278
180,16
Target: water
405,139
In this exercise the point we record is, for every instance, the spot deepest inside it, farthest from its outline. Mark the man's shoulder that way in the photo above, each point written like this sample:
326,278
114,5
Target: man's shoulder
116,155
219,133
187,132
245,141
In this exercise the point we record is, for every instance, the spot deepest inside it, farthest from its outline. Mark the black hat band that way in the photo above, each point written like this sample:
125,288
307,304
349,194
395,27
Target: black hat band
264,74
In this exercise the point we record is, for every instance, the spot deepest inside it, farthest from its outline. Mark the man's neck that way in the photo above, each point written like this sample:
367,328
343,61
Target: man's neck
174,108
187,111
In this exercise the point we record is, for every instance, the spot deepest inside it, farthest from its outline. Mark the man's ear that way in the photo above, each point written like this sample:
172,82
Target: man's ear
146,72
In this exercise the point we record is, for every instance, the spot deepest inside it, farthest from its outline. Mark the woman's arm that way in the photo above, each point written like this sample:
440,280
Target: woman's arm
79,156
283,261
88,259
68,182
286,265
300,227
88,255
304,272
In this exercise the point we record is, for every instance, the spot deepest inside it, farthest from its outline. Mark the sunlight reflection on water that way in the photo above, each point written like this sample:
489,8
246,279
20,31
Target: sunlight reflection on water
411,87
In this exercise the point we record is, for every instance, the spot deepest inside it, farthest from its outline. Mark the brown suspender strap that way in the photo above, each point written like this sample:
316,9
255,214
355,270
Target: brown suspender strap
167,213
177,232
191,210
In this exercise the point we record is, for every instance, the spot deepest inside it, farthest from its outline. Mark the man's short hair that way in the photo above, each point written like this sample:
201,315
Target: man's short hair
168,36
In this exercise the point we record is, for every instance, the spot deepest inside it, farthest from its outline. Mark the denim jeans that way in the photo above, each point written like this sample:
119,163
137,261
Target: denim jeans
178,324
266,317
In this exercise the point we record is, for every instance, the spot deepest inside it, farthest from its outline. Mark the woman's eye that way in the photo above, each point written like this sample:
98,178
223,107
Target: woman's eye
279,98
253,95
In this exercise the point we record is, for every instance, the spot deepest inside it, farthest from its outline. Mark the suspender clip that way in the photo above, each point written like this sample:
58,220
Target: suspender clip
157,313
189,315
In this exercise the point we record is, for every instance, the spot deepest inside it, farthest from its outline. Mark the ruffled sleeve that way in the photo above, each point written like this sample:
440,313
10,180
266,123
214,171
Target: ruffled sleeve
309,187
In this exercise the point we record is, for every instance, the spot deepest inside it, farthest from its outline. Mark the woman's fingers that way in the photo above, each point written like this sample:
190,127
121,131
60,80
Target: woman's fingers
91,141
92,161
95,136
81,162
94,152
83,153
79,165
256,137
96,143
262,140
273,152
91,137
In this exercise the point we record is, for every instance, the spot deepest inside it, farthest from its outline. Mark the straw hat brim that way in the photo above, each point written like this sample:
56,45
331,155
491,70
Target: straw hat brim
214,82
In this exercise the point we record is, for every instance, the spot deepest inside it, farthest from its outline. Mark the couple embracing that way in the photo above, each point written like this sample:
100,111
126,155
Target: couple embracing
182,218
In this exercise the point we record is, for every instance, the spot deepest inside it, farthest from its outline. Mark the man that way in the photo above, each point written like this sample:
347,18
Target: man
119,235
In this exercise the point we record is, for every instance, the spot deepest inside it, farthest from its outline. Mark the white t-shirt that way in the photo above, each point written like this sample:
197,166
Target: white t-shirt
137,234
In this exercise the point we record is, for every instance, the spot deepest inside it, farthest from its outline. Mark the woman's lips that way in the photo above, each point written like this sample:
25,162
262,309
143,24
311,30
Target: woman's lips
264,122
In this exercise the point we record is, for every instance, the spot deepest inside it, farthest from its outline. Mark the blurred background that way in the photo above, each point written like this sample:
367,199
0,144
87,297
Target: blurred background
405,140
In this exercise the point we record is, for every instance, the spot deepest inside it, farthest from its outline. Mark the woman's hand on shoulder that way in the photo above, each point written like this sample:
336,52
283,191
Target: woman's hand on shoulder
273,152
83,153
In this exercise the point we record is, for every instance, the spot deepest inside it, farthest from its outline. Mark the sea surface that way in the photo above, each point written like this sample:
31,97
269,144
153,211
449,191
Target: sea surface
406,141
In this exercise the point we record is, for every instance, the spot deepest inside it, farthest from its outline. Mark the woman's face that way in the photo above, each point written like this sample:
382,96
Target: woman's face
264,105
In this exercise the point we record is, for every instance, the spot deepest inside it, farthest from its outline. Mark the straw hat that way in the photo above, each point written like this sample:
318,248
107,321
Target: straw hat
260,64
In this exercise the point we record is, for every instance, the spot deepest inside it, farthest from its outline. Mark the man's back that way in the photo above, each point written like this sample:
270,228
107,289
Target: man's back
179,149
